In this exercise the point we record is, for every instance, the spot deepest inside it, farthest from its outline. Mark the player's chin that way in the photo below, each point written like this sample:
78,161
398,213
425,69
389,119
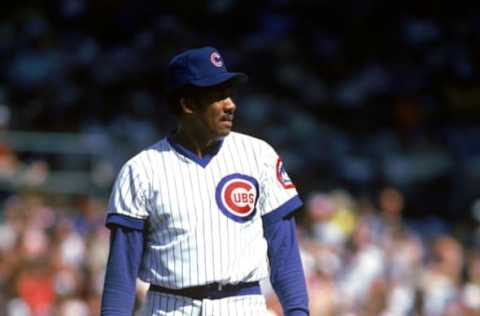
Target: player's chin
223,132
224,128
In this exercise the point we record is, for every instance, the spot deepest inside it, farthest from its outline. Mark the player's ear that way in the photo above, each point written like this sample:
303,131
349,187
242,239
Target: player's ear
187,105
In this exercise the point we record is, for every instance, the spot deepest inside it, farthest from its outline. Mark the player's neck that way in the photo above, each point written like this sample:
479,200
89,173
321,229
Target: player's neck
194,141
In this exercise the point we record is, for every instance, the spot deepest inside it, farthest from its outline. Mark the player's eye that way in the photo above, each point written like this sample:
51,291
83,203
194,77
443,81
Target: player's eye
226,93
218,96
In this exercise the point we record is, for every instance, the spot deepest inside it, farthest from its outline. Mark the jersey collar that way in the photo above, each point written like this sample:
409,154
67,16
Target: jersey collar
192,156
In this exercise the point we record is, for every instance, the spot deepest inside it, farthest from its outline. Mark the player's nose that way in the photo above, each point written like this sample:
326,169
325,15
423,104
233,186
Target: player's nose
229,105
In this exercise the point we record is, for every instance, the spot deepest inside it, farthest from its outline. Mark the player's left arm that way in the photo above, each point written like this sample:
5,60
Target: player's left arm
286,271
279,199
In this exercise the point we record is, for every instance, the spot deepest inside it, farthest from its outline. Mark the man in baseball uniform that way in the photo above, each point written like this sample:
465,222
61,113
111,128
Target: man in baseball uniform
205,213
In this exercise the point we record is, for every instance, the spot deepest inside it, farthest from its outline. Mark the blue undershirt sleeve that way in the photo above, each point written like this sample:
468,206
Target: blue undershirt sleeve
124,221
126,250
286,271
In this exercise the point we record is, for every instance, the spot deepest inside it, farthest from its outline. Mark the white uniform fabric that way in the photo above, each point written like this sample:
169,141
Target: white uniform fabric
203,220
158,304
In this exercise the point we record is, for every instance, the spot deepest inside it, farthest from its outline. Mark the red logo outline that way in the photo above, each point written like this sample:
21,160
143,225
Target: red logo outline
281,174
231,204
216,59
237,196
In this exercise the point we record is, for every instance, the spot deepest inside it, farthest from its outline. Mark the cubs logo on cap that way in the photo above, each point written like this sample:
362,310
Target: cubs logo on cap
200,67
216,59
236,196
282,175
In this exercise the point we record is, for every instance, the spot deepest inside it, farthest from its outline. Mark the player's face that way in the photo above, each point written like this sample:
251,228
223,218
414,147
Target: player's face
215,112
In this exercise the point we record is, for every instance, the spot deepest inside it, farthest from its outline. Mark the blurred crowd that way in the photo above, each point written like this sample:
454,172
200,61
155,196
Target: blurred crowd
374,107
354,93
52,255
361,256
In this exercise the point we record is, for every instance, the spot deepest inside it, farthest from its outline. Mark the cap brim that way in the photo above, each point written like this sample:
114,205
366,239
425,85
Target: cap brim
236,78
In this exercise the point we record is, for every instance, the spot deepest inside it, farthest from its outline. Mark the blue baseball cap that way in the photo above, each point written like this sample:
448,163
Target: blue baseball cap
200,67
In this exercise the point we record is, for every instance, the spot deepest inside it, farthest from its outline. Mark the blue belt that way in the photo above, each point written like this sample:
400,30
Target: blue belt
212,291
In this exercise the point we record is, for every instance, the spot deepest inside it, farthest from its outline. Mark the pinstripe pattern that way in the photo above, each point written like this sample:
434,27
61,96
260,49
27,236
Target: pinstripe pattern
190,241
169,305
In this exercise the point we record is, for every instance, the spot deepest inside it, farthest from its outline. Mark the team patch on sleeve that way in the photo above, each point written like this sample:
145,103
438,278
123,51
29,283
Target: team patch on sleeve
236,196
282,175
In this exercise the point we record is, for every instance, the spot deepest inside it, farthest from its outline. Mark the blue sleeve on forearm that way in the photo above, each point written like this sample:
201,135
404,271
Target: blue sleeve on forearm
286,271
126,250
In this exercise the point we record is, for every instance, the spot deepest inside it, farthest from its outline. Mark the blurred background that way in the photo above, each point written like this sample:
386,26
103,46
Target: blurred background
373,106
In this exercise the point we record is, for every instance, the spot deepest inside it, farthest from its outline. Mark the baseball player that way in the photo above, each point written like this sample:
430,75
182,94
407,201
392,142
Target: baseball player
205,213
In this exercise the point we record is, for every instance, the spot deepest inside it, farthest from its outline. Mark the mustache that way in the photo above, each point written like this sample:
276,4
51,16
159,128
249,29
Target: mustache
227,117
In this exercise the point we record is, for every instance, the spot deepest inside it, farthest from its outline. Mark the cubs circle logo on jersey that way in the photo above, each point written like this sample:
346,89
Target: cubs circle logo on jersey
282,175
216,59
236,196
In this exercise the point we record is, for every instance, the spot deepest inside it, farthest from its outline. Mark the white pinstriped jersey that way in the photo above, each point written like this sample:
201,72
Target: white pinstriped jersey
203,221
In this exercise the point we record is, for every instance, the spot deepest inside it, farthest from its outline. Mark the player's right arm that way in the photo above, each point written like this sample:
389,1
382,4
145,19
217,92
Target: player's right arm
119,289
126,217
